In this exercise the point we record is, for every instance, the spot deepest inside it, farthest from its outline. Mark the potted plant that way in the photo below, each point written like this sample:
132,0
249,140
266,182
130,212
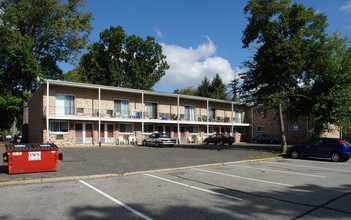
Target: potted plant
226,119
195,139
210,119
219,119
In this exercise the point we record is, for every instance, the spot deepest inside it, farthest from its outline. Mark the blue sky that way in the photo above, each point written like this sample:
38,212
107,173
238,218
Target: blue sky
199,38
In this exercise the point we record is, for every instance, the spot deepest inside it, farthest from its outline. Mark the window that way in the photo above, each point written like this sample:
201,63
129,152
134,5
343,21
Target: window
293,127
151,110
65,104
121,108
193,129
210,128
148,129
260,129
126,128
212,113
59,126
240,130
190,113
238,116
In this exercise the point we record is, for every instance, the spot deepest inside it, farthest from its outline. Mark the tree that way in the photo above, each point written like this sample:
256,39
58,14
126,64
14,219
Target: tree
234,89
204,88
187,91
327,89
125,61
288,38
34,36
218,88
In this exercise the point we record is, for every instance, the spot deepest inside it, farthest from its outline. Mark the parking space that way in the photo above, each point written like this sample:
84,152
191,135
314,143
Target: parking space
278,189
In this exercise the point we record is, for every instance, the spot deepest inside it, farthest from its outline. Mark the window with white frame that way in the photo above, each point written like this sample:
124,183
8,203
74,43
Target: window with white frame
148,129
293,127
65,104
260,129
190,113
59,127
121,108
210,129
126,128
193,129
238,116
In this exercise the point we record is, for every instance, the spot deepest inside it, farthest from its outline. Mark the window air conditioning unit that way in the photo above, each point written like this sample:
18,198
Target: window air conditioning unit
109,111
80,110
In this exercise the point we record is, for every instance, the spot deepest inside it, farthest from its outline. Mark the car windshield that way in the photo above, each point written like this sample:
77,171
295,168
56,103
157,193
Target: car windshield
225,135
164,135
346,142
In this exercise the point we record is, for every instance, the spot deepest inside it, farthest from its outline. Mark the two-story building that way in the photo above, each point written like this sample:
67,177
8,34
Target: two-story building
69,113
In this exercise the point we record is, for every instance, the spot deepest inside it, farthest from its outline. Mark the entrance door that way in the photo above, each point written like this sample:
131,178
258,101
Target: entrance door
78,133
110,136
102,133
89,133
164,129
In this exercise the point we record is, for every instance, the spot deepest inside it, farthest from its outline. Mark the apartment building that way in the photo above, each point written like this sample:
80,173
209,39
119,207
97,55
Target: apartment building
68,113
296,131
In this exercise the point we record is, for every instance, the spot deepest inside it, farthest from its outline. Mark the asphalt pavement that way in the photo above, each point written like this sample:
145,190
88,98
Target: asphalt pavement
117,160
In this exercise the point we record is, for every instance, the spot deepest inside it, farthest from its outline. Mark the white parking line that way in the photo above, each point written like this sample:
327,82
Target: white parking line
323,168
194,187
279,171
116,201
246,178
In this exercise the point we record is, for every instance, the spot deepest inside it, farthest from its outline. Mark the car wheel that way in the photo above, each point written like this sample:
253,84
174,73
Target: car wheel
221,143
335,157
295,154
255,141
157,144
215,143
271,141
230,143
144,143
171,145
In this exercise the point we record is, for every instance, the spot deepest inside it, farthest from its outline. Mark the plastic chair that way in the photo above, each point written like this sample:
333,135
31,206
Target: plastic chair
121,140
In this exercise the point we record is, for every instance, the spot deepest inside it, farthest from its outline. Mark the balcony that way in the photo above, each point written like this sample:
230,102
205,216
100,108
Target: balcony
93,114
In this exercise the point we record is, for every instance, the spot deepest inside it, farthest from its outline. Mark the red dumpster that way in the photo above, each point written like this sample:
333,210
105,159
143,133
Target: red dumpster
28,158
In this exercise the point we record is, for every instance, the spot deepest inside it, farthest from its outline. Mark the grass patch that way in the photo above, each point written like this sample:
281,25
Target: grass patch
262,157
4,180
22,179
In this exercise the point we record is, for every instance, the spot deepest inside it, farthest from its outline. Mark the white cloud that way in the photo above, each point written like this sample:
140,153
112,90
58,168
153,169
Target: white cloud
159,33
346,7
189,66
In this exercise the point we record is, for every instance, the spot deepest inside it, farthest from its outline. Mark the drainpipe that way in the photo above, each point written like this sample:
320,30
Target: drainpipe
99,117
178,120
47,112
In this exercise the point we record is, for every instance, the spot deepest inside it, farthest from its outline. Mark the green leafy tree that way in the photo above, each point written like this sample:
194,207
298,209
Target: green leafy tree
288,38
125,61
34,36
327,99
187,91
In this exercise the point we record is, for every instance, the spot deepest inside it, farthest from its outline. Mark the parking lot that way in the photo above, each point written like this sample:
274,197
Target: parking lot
272,189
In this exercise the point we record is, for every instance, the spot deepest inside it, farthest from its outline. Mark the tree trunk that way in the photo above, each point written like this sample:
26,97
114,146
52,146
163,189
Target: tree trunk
282,130
25,129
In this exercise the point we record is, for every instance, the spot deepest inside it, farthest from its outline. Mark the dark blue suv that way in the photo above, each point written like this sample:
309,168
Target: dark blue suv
334,148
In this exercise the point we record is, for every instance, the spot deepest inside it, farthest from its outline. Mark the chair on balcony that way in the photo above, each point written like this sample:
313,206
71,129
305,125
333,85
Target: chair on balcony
121,140
133,113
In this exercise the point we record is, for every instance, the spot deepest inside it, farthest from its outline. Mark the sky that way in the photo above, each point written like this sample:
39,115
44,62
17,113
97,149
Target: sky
199,38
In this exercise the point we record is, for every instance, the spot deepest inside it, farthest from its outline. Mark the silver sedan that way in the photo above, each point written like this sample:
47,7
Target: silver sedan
157,140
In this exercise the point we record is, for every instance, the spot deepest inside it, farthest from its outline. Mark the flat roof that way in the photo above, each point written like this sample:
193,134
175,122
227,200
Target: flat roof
138,91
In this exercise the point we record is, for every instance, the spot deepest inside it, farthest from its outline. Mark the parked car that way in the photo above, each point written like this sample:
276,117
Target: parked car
220,138
157,139
334,148
265,138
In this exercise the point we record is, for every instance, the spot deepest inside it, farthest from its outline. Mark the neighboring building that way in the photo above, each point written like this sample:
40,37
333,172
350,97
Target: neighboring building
296,132
77,113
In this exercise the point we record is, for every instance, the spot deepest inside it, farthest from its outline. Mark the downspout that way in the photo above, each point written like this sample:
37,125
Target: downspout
207,118
142,116
99,117
178,120
47,112
232,119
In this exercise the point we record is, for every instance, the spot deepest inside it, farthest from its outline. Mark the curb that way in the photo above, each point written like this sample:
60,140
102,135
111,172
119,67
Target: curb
100,176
